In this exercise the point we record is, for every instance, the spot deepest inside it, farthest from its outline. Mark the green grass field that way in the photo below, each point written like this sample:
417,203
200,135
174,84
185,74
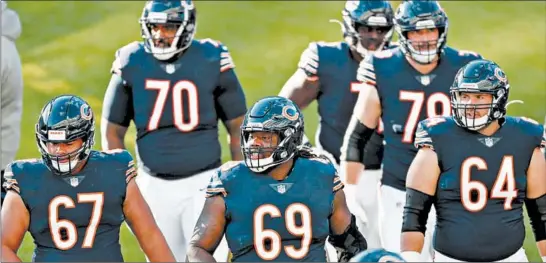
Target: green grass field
68,47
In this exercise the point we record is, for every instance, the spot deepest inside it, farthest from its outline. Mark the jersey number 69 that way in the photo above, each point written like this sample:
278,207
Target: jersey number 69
305,231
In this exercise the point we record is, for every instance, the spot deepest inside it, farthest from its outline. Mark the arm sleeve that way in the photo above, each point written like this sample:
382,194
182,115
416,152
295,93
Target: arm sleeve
422,136
216,187
117,106
338,184
309,61
366,72
10,183
131,171
230,98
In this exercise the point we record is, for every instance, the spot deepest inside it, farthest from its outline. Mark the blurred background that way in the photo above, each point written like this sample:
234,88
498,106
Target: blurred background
68,47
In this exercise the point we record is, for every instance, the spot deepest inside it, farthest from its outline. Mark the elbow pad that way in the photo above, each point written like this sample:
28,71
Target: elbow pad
356,141
350,243
416,211
536,208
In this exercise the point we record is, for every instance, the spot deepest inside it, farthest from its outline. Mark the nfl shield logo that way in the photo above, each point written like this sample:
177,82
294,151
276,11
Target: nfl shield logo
74,181
281,188
425,80
170,68
489,142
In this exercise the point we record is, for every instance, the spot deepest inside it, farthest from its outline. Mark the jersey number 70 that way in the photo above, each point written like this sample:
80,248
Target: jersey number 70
305,231
164,87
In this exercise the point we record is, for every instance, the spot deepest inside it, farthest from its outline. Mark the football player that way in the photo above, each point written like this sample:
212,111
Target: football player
477,167
326,73
282,202
73,200
402,86
174,88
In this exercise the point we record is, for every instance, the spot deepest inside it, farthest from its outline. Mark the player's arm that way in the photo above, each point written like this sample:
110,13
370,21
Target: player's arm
344,234
230,102
143,225
421,183
208,231
366,114
535,200
303,86
15,220
117,109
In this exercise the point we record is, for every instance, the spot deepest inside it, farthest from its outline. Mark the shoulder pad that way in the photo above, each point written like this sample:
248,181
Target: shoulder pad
219,179
122,57
15,171
125,158
309,60
533,128
425,129
226,61
366,71
325,167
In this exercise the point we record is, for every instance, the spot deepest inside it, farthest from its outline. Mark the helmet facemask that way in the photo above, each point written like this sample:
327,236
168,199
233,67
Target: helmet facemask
423,52
180,21
261,159
64,164
466,113
358,33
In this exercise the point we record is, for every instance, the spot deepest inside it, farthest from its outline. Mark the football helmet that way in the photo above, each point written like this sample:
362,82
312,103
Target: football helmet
374,14
377,255
416,15
179,15
64,119
276,115
479,76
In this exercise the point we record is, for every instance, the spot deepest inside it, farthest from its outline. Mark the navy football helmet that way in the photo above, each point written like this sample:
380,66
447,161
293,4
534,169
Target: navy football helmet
479,76
369,15
64,119
417,15
277,115
377,255
177,15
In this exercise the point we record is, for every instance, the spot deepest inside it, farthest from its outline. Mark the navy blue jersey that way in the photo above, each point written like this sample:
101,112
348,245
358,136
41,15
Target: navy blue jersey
277,220
176,106
482,186
74,218
408,97
334,66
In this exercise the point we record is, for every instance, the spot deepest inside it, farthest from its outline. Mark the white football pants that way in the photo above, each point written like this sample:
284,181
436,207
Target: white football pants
176,206
519,256
362,202
391,212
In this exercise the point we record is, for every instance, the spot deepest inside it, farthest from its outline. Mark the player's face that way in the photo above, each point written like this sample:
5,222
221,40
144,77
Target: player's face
424,39
476,99
163,34
371,37
262,140
63,149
